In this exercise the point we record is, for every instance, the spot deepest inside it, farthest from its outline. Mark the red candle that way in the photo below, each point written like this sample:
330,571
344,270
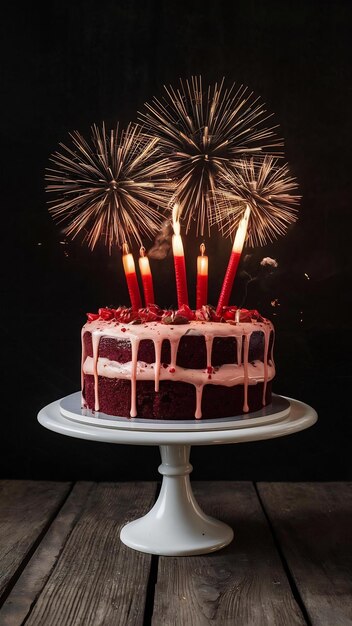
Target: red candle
147,278
202,278
179,259
233,262
131,278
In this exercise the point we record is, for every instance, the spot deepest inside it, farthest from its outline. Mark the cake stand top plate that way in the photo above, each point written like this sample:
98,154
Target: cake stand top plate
70,407
284,417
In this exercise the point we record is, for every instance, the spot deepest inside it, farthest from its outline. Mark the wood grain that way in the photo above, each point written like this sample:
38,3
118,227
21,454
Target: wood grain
313,523
26,508
32,580
98,580
243,584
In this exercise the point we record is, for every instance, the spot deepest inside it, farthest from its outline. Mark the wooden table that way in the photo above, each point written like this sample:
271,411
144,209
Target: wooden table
62,563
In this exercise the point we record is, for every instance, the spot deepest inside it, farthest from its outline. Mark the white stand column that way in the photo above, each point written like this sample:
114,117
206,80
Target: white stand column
176,526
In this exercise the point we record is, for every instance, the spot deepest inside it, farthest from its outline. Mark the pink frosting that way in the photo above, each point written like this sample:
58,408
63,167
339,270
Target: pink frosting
228,375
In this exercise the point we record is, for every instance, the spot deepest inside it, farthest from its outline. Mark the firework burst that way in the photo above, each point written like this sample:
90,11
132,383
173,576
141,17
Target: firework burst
204,132
109,188
267,188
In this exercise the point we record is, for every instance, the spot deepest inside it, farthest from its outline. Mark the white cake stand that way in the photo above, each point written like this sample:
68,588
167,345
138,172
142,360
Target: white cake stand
176,525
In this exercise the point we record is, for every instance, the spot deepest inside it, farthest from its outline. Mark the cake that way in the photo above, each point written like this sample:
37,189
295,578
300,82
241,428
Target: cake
184,364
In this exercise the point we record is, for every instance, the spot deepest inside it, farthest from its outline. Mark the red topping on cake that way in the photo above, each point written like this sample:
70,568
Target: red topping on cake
183,315
230,313
106,314
185,311
92,316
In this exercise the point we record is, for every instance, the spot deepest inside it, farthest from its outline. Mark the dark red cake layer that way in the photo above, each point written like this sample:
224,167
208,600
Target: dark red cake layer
173,401
191,351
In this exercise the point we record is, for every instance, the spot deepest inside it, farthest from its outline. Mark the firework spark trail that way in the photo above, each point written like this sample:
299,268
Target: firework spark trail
205,133
267,188
111,187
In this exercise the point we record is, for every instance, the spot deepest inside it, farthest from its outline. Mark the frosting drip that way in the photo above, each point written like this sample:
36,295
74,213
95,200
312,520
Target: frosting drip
244,373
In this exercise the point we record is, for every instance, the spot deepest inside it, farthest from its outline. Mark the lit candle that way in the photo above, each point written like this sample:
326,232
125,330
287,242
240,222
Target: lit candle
147,279
202,278
179,259
233,262
131,278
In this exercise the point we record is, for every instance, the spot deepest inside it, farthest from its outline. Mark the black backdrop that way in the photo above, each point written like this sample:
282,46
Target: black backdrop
69,65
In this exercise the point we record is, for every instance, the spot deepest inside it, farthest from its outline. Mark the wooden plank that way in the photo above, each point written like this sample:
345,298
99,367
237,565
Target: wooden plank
313,523
98,580
32,580
243,584
26,508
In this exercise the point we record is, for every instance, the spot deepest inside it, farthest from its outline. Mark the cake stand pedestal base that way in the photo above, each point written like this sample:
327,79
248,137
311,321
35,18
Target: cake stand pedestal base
176,525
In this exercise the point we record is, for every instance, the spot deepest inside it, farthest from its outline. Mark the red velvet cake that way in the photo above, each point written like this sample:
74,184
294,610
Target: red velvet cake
183,364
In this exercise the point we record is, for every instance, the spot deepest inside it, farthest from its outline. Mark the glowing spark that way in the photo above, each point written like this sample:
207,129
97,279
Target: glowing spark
204,132
267,260
111,187
267,189
306,275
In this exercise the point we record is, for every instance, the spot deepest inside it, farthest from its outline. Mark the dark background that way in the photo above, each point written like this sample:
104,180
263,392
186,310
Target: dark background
69,65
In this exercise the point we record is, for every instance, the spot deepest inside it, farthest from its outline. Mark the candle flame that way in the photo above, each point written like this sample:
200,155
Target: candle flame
144,264
241,232
176,211
127,259
202,248
202,266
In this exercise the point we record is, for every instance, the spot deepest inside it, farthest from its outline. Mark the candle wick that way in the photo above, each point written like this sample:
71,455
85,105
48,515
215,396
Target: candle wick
125,249
202,249
142,251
